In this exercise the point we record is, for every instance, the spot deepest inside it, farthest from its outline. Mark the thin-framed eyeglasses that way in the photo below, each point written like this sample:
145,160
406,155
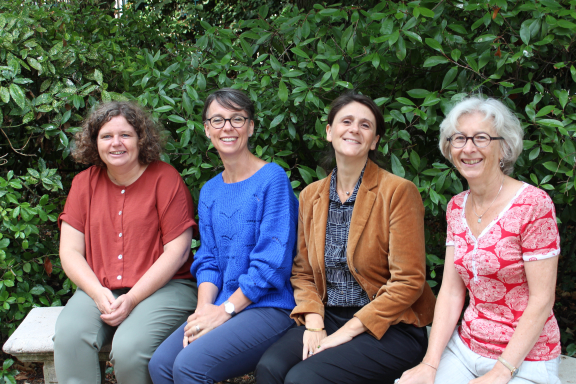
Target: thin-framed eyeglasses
218,122
481,140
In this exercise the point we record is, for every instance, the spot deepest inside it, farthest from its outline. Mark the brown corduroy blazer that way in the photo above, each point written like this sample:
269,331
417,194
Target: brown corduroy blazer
385,252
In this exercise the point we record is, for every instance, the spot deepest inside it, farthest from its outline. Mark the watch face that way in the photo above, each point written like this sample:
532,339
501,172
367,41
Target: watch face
229,307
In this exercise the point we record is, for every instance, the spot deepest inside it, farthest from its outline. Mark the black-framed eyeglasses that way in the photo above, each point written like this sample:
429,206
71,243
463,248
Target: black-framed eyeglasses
481,140
218,122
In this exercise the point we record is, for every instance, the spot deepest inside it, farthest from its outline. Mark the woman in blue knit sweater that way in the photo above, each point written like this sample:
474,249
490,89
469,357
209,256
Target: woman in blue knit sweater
248,217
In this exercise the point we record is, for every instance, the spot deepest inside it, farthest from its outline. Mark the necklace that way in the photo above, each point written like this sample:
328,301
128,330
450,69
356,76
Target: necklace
474,203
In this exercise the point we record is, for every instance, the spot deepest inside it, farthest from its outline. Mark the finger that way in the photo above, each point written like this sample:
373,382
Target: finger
304,352
117,303
185,342
196,337
192,317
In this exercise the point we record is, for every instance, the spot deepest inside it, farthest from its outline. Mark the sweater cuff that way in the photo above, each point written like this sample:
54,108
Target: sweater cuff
209,277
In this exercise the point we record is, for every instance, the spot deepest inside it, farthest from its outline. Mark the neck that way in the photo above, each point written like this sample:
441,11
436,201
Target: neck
485,191
348,173
240,167
125,176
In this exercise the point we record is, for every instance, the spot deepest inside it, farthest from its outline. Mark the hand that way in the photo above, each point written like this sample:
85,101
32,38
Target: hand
420,374
205,319
103,299
311,342
497,375
347,332
120,309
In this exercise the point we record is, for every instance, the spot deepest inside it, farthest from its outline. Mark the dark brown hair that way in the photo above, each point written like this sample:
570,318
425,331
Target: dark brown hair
347,98
150,140
232,99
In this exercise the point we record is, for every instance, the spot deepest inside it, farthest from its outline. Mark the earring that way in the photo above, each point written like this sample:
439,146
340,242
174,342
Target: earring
208,136
250,135
501,163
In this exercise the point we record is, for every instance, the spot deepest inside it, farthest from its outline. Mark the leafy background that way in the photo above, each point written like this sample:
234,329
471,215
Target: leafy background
416,59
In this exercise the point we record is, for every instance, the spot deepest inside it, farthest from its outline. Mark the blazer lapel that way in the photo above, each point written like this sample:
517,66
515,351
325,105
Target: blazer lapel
362,207
319,219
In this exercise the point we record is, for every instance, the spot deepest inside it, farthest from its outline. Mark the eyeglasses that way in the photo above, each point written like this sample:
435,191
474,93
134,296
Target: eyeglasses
219,122
481,140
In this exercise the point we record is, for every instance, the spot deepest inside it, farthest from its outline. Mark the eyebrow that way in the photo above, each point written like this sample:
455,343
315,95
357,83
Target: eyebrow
361,119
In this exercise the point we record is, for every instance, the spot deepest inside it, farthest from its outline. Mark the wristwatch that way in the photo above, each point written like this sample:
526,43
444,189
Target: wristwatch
229,308
513,369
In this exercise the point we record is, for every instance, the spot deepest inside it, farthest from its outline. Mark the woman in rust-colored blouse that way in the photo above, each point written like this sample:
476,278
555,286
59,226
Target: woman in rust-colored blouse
125,242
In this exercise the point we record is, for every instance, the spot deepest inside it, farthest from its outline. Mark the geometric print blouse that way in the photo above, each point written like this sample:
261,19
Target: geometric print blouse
492,268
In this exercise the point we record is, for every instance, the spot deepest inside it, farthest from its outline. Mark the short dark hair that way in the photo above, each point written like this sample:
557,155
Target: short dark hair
232,99
349,97
150,140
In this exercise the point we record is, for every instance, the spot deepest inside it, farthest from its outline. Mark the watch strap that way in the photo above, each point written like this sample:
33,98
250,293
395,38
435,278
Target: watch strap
513,369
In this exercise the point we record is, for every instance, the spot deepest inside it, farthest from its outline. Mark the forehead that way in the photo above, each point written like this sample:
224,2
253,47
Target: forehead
357,110
216,108
117,123
471,123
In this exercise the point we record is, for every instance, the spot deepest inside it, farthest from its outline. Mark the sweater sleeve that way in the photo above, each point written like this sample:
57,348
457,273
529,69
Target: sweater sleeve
271,258
205,266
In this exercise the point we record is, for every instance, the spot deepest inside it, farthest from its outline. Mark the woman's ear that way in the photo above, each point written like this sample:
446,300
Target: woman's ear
206,130
375,142
329,133
251,128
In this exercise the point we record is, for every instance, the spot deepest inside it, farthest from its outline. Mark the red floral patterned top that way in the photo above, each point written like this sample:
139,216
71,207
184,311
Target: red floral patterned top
492,268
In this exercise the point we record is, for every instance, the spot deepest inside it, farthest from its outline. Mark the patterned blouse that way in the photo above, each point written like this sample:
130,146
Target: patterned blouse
342,288
492,268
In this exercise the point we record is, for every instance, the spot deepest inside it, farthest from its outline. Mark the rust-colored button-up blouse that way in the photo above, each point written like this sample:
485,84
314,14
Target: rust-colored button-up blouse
126,228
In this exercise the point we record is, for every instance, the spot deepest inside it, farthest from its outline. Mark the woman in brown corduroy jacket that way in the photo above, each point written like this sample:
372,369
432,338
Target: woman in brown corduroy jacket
359,276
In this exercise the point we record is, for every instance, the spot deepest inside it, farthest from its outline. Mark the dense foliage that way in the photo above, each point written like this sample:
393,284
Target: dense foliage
415,59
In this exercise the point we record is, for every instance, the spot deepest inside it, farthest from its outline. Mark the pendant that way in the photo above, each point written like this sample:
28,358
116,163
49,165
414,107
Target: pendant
347,193
479,220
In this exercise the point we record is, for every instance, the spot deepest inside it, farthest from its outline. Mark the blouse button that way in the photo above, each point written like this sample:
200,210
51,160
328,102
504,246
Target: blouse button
120,257
374,296
119,277
356,269
123,191
120,235
120,212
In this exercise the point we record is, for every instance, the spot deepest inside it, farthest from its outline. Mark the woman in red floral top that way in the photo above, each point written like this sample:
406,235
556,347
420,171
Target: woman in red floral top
502,247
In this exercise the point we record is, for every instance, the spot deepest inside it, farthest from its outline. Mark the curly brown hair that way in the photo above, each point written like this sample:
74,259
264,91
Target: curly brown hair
150,140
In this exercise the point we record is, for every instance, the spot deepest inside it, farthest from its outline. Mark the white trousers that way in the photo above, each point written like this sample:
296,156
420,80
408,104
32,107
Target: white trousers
459,365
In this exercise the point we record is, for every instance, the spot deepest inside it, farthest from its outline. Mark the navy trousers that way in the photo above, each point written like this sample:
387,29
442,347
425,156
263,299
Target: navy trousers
230,350
362,360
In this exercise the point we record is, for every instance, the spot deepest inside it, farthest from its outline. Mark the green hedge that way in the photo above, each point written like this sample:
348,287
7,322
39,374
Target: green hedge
416,60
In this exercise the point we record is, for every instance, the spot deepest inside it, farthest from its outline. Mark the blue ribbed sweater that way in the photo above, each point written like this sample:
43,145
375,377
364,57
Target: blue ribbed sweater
248,237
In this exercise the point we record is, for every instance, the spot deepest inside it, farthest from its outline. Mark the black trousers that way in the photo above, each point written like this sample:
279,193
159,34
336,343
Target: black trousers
362,360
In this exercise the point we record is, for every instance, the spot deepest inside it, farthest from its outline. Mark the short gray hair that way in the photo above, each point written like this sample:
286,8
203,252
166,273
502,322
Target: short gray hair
505,124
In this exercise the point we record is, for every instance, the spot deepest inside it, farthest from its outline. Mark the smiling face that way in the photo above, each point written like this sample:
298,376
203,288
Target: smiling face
353,131
117,143
476,164
228,140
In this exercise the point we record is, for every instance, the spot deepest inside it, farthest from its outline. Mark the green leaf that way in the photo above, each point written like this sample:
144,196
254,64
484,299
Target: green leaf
305,175
550,123
4,94
405,101
98,77
418,93
37,290
18,95
277,120
164,108
433,44
426,12
300,52
449,77
282,92
397,167
534,153
177,119
525,31
434,60
335,70
551,166
415,159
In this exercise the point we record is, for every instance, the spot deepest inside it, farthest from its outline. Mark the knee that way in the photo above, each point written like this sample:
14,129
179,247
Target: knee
301,374
69,333
127,354
270,370
159,367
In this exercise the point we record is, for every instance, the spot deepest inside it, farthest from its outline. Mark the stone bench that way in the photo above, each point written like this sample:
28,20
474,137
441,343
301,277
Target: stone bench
32,342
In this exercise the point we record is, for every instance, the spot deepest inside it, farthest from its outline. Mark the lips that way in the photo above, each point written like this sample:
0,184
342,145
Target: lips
351,141
471,161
